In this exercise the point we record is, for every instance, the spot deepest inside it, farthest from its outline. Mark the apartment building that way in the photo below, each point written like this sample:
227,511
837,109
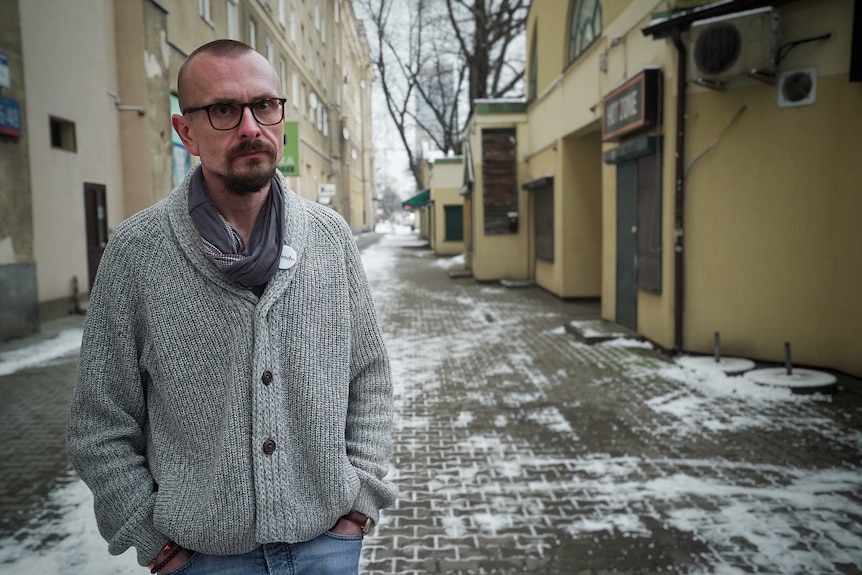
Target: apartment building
94,82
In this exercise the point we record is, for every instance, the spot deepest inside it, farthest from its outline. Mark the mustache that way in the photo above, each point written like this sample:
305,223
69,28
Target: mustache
249,146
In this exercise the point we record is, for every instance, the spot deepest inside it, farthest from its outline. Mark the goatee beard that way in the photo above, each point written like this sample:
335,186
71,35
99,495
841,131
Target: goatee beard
248,183
258,174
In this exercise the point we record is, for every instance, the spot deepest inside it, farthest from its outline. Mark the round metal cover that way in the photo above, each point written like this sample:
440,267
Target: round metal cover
799,380
728,365
717,48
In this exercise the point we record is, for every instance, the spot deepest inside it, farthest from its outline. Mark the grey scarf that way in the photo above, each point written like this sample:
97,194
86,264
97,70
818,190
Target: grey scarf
251,265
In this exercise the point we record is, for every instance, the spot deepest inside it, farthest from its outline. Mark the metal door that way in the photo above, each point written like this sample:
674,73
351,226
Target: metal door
627,301
95,209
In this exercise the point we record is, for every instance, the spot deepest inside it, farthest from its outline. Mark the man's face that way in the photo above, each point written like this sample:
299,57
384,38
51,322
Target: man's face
243,159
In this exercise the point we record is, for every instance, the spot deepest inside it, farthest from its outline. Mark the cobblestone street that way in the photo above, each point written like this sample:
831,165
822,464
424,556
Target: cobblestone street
519,449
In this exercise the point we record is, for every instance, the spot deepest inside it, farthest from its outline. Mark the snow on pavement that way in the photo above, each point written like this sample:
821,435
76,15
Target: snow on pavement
809,520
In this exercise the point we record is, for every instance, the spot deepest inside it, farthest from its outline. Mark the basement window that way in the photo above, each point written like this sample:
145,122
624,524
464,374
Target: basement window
62,134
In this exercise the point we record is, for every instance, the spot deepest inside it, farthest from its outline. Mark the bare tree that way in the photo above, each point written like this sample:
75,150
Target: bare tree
435,58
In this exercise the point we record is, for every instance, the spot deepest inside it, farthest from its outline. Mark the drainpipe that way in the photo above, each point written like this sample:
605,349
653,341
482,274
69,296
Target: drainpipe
679,212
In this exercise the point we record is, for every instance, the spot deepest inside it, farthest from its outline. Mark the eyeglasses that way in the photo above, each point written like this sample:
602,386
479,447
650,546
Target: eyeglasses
227,116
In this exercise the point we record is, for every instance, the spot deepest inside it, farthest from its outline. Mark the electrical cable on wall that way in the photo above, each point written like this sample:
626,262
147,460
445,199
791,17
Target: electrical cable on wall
786,48
715,141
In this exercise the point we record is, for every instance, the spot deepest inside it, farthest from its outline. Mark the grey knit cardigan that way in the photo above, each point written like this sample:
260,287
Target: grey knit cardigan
185,376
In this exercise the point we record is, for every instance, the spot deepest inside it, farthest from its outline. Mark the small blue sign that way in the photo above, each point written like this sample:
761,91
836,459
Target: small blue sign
4,71
10,117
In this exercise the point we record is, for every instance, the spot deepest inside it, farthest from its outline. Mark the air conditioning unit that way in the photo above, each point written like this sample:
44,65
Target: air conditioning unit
797,87
735,45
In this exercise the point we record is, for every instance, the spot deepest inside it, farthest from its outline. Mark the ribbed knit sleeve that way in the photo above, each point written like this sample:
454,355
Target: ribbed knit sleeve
106,441
369,417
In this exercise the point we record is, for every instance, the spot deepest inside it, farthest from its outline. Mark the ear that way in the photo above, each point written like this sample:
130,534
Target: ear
186,133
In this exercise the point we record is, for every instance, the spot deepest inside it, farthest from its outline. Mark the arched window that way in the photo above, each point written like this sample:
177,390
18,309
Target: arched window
584,26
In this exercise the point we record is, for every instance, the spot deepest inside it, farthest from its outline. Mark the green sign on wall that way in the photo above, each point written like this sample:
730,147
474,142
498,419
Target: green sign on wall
289,164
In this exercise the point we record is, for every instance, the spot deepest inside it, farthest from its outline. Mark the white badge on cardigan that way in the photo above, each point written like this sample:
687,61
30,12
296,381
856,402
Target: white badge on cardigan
288,258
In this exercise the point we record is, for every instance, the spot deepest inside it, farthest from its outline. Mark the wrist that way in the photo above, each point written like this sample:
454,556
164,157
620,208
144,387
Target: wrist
362,521
168,552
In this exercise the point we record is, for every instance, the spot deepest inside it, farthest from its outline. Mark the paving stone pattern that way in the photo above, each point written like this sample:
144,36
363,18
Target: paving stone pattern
520,450
512,440
33,411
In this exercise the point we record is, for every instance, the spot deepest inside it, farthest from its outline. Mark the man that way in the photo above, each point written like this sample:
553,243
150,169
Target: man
234,404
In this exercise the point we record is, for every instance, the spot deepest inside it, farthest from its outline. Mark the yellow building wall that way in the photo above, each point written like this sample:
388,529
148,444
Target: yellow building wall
504,256
445,182
773,249
575,163
774,245
580,201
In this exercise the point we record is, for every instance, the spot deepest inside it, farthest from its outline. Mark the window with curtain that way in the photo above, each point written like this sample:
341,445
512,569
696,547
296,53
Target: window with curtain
584,26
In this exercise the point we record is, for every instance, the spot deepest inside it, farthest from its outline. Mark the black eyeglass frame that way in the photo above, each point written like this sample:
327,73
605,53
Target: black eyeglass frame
243,106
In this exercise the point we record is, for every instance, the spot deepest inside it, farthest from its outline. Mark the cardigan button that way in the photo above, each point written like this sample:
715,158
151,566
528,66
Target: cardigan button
269,446
267,377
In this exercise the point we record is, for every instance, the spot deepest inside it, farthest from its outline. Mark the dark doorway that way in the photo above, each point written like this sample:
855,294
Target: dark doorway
95,209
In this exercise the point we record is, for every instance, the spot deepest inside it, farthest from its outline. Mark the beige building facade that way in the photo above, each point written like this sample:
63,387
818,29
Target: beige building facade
446,206
95,82
695,188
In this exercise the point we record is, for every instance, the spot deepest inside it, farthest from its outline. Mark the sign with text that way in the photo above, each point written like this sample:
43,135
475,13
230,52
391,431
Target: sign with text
289,164
633,106
4,71
10,117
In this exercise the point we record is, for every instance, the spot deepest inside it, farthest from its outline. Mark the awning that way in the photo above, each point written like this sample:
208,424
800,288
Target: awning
421,199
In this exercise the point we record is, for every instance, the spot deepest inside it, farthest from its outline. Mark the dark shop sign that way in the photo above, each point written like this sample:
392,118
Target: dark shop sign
633,106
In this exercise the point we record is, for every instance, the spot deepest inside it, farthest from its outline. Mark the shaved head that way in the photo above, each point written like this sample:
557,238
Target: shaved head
225,48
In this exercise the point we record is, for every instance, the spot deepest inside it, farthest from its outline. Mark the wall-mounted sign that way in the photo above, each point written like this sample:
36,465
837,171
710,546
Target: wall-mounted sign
289,164
633,106
325,190
4,71
10,117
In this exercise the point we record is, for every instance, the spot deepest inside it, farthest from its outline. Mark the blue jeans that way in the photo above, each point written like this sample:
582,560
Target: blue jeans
327,554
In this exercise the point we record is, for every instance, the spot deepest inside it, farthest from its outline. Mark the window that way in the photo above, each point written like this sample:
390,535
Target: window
312,108
543,207
270,51
233,19
205,11
293,25
294,89
534,65
337,17
252,34
454,223
542,194
317,15
282,74
302,39
282,13
62,134
584,26
323,30
499,179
